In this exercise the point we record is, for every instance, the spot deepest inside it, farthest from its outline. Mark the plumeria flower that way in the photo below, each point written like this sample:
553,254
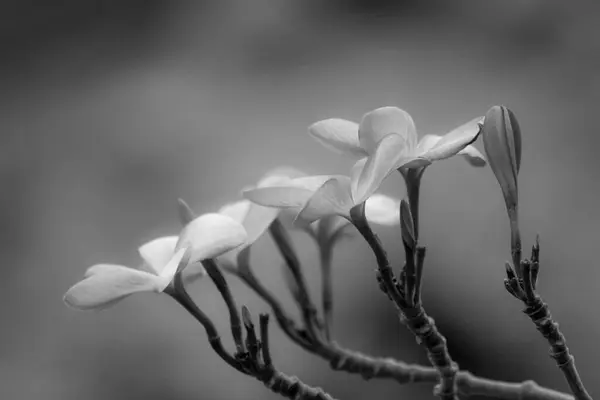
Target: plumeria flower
207,236
255,218
312,198
386,139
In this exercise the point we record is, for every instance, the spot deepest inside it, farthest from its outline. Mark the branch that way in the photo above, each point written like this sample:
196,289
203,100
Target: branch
523,287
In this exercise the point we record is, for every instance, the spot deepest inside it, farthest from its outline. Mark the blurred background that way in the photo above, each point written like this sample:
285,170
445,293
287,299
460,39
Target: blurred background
111,110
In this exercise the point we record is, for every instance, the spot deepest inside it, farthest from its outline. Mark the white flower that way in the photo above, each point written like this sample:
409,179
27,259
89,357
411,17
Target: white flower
255,218
314,197
386,139
207,236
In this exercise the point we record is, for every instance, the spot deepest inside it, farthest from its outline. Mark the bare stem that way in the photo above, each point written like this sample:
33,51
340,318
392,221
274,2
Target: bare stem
180,295
327,289
235,321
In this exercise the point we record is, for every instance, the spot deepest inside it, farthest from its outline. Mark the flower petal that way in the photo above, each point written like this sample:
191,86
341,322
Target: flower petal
236,211
281,197
391,153
106,284
338,135
454,141
294,194
157,253
379,123
173,266
211,235
279,176
357,169
383,210
334,197
254,218
471,154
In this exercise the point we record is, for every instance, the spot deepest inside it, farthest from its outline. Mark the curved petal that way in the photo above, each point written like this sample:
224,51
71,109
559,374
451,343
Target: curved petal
471,154
281,197
157,253
178,262
391,153
254,218
454,141
211,235
293,194
236,211
106,284
334,197
279,176
383,210
339,135
357,169
427,143
377,124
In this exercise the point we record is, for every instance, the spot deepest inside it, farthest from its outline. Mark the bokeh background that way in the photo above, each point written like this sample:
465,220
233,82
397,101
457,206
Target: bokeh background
111,110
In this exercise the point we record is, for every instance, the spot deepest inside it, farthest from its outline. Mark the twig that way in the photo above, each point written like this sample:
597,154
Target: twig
537,310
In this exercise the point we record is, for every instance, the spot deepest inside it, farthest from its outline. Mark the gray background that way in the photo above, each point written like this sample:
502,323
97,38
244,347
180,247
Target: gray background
111,110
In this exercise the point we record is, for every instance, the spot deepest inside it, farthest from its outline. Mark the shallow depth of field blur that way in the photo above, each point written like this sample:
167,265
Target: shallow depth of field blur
110,111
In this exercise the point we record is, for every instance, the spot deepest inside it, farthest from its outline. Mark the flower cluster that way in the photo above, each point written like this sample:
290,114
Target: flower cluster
385,140
325,206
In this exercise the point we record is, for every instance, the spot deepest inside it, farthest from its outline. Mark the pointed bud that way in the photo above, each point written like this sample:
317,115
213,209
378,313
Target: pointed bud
247,318
502,141
406,225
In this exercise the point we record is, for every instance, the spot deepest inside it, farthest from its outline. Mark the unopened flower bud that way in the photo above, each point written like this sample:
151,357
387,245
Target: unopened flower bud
502,142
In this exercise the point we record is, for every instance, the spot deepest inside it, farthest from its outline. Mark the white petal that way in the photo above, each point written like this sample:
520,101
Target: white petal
383,210
236,211
211,235
331,225
279,176
172,266
157,253
254,218
332,198
257,221
379,123
473,156
357,169
281,197
313,182
427,142
391,153
338,135
454,141
294,194
106,284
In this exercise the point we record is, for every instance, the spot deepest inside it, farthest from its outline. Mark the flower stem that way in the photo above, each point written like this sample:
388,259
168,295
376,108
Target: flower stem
411,313
412,177
309,311
285,322
327,288
353,362
180,295
235,321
